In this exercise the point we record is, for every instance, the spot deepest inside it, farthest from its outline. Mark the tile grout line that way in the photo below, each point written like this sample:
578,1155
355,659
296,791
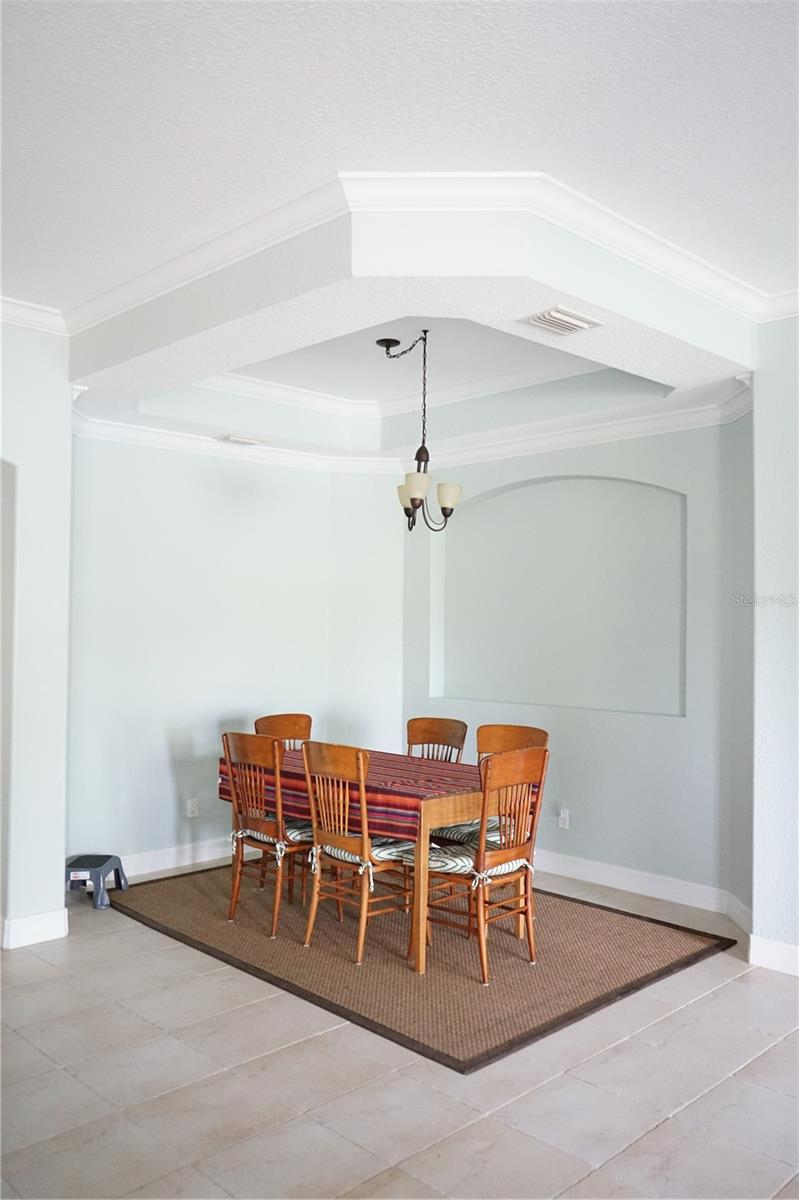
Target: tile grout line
670,1116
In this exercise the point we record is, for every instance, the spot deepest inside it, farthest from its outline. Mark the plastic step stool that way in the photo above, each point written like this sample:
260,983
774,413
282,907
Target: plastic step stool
95,869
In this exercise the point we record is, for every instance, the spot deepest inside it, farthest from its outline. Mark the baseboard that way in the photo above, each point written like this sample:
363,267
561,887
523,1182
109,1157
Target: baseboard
29,931
171,858
777,956
738,912
661,887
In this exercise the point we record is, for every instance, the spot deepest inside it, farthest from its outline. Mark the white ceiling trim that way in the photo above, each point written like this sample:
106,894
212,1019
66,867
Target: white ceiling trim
255,388
556,202
192,443
593,431
31,316
358,192
314,208
233,384
559,434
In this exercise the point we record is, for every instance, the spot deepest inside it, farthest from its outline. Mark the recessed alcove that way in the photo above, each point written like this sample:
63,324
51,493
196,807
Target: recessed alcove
564,591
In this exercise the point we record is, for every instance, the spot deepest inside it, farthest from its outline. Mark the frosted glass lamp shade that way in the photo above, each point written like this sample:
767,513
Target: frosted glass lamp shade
404,495
448,495
417,484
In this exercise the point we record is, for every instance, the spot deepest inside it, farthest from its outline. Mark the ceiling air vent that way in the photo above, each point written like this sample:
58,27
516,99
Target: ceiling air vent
560,320
236,440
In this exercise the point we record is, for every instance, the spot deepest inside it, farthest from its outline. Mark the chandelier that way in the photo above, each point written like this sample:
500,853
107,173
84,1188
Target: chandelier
413,492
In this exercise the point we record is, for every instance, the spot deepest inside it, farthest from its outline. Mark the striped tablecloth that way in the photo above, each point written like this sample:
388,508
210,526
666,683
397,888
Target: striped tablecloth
395,787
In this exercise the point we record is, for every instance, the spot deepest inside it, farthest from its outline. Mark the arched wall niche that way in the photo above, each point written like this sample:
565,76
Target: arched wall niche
566,591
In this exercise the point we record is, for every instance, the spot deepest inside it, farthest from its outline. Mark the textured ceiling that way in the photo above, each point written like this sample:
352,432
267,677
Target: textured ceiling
464,358
134,131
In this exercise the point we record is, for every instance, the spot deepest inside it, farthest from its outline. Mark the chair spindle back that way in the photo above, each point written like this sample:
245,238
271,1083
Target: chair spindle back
438,738
513,783
333,774
498,739
248,755
292,729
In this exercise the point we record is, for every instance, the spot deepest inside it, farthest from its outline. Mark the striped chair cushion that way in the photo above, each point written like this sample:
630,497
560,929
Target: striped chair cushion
296,831
299,831
463,833
384,849
460,860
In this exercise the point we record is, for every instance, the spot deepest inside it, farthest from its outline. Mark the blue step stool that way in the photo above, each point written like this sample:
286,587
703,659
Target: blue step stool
95,869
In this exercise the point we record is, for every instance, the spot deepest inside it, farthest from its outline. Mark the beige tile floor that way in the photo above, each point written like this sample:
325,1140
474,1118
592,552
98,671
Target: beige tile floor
135,1066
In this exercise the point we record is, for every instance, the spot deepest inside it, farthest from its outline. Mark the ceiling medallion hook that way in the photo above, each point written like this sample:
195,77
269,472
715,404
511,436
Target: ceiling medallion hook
413,492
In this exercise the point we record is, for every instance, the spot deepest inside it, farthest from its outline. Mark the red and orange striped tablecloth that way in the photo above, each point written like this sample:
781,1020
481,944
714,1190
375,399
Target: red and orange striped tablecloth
396,785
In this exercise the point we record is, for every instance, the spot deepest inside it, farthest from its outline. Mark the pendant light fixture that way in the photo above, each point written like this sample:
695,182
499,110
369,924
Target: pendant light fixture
413,492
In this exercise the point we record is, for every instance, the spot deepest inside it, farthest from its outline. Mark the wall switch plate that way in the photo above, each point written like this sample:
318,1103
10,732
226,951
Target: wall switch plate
563,818
193,807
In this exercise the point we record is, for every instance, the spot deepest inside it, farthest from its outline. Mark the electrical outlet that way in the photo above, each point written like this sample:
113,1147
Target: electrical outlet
563,818
193,807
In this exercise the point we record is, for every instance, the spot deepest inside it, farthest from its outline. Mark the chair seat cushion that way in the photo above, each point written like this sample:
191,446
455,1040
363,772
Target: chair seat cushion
299,831
460,860
384,849
296,831
463,833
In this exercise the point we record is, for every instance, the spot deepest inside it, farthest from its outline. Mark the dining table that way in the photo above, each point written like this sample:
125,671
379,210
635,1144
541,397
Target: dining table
406,798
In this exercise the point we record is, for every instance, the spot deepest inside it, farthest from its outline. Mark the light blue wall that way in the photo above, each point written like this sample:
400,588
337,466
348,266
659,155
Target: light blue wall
776,617
207,591
650,792
196,607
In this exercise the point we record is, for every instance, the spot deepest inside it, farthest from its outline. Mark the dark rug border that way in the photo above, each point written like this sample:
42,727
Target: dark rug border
462,1066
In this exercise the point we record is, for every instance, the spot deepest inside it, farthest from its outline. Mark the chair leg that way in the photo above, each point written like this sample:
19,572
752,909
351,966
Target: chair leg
303,881
317,881
278,895
521,892
264,864
292,866
481,932
364,917
339,903
236,885
529,915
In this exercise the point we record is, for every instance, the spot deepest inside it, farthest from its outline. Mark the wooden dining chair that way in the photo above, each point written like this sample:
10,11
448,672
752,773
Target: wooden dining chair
498,739
500,858
257,821
336,781
437,737
291,728
492,739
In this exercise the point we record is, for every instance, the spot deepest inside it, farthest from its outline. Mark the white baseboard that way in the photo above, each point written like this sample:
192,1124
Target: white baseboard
154,862
29,931
661,887
738,912
777,956
644,883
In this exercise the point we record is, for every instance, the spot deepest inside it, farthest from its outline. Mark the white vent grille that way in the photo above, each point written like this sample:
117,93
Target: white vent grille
240,441
560,320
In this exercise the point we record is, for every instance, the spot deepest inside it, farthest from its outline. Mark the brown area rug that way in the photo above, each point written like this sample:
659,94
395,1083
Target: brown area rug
588,956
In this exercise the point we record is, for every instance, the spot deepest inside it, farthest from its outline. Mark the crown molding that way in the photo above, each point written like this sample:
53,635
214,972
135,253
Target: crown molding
593,429
559,204
358,192
255,388
32,316
192,443
589,429
233,384
316,207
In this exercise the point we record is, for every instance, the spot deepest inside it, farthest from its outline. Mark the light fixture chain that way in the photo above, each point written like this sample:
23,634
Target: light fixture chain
424,387
400,354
